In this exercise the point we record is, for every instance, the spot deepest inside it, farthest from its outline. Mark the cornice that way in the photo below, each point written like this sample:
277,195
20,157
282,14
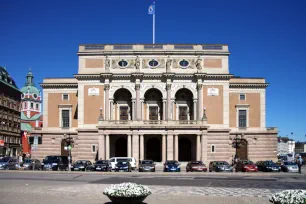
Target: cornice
59,85
249,85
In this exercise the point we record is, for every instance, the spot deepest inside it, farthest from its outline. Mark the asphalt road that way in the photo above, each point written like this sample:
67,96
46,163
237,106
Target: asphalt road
179,188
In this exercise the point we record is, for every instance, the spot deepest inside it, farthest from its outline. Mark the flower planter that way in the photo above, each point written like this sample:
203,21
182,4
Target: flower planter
127,200
127,193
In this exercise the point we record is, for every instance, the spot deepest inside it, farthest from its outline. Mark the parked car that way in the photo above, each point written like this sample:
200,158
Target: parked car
289,167
81,165
123,166
219,166
246,166
146,166
100,165
9,163
115,160
172,166
28,164
268,166
196,166
55,163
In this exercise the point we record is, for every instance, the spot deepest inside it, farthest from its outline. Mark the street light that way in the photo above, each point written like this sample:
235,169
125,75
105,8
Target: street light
69,141
236,143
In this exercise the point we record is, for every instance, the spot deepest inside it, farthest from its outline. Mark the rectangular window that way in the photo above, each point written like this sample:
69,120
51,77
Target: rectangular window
242,118
153,113
242,97
93,148
25,105
36,106
65,96
124,113
32,105
212,148
65,119
182,113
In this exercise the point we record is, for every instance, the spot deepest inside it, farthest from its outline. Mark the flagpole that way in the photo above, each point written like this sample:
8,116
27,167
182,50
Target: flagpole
154,25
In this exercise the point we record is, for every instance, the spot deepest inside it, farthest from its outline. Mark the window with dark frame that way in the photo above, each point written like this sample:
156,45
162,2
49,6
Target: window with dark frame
65,119
93,148
242,97
65,97
242,118
36,106
32,105
213,148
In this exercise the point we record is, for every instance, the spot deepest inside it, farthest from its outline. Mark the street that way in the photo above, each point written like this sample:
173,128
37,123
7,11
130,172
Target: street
79,187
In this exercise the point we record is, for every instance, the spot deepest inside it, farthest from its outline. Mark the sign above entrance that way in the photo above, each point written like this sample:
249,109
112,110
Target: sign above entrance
213,92
93,92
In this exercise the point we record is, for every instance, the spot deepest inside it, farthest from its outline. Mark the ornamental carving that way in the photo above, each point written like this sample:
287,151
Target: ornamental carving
176,64
130,65
191,87
129,87
161,63
145,87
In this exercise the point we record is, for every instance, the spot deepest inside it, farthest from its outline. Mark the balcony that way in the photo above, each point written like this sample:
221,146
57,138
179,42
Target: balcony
153,123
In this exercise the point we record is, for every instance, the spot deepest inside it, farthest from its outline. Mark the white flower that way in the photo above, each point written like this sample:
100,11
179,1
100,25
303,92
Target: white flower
289,197
127,190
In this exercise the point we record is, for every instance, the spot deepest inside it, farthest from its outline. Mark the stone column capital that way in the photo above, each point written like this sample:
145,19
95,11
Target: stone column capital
106,87
168,87
137,86
199,86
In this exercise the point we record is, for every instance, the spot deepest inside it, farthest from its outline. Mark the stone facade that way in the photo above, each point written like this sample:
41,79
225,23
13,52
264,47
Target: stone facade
159,102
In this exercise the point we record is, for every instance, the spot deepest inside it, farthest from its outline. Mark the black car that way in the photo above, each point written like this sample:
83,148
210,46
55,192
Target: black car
146,166
55,163
172,166
123,166
219,166
81,165
101,165
268,166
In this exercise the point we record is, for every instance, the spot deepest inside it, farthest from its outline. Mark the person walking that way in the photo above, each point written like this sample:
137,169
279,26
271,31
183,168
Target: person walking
299,163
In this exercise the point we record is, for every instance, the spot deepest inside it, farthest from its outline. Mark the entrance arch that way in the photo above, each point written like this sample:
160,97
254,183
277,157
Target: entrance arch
153,149
154,104
184,149
242,151
121,147
123,104
184,105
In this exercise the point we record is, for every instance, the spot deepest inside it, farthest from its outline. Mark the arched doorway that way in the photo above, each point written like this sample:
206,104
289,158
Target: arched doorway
123,104
121,147
63,151
184,149
242,151
154,104
153,149
184,105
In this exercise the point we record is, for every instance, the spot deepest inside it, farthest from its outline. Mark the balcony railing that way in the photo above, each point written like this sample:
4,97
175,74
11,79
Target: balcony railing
152,122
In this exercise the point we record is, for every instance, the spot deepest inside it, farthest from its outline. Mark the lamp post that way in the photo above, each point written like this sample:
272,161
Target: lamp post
236,143
69,141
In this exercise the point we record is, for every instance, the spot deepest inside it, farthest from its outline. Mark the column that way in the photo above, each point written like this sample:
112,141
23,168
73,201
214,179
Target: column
164,110
134,110
176,147
194,109
200,101
164,153
204,147
106,88
135,150
111,109
129,146
198,147
107,147
168,101
138,107
101,147
141,147
169,147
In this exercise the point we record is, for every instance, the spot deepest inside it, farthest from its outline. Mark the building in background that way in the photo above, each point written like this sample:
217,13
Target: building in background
285,146
291,146
10,98
31,116
159,102
300,147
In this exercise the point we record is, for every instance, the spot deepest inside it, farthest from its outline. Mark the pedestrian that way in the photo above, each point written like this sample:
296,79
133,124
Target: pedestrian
299,163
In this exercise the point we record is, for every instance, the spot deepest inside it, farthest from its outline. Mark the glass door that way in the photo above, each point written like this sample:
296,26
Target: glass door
153,113
183,113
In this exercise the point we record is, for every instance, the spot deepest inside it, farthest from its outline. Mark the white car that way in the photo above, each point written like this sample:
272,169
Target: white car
114,160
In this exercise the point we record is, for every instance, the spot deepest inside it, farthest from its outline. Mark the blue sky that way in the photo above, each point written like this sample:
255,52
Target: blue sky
266,38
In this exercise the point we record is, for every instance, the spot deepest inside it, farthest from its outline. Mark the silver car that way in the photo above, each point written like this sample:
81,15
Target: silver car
288,166
28,164
9,163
